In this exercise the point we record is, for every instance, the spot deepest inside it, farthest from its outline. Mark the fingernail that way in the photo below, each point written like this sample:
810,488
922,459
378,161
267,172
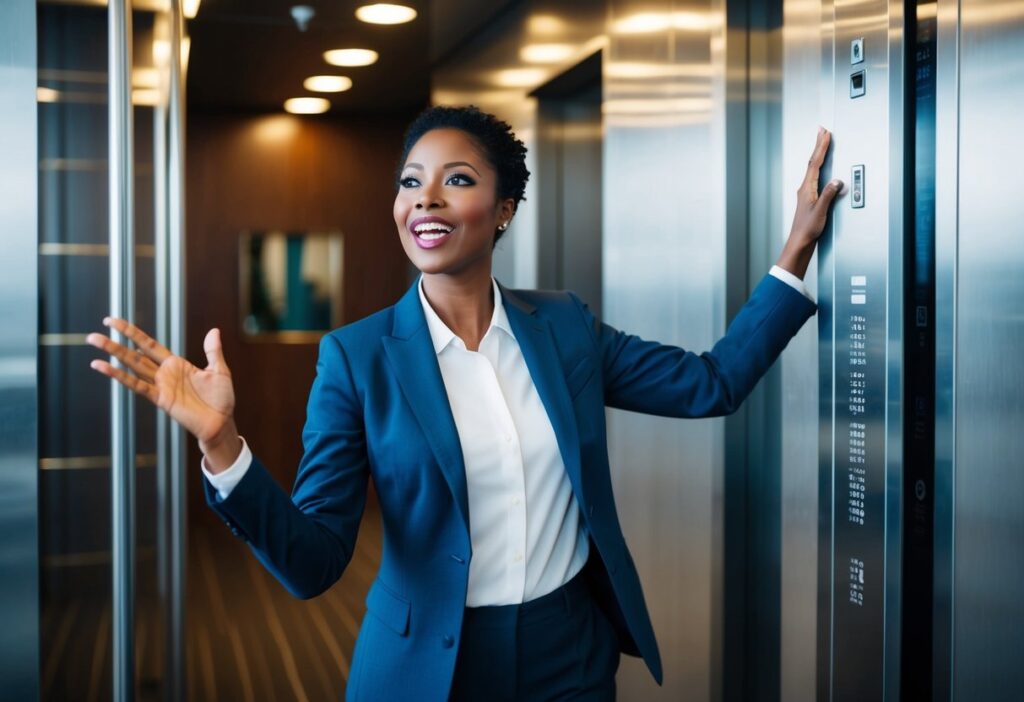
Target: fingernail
93,365
821,130
106,321
837,184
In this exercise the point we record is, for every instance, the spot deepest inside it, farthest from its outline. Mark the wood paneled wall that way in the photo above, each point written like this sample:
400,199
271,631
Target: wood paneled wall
293,173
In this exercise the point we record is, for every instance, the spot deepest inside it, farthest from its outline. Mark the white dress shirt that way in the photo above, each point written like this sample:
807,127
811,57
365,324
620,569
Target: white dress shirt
524,522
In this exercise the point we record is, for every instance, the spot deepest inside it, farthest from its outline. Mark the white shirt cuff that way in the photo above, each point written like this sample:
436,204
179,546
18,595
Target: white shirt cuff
225,481
790,280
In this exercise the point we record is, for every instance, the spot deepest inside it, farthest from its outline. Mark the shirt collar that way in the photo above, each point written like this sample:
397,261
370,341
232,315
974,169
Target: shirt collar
441,335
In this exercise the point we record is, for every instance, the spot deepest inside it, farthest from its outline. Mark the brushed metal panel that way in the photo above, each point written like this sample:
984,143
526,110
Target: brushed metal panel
19,454
946,189
988,577
861,527
807,102
664,215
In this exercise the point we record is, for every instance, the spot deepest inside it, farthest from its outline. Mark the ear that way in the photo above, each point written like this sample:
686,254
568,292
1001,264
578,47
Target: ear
506,209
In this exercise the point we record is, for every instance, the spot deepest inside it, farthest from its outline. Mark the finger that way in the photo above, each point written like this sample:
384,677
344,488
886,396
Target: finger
131,382
810,183
149,346
214,351
828,193
140,365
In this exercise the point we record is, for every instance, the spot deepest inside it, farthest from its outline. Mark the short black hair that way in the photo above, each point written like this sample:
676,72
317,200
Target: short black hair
504,152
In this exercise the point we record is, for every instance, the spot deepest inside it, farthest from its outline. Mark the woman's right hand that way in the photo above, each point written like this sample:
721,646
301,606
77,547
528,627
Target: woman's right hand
200,400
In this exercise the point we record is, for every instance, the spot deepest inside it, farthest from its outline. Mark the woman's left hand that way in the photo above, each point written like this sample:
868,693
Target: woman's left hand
811,211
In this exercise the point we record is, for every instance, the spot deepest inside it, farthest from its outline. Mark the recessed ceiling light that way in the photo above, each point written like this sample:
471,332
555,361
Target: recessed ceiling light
307,105
327,84
191,8
351,57
384,13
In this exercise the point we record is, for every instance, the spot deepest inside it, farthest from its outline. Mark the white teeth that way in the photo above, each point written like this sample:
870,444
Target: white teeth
432,227
431,237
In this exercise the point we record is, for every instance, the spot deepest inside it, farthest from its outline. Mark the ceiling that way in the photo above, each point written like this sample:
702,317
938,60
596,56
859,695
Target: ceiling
249,55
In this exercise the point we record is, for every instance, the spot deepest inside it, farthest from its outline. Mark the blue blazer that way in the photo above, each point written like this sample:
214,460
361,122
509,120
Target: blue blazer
378,408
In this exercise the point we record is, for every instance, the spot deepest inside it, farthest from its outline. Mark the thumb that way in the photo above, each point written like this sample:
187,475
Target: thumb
828,194
214,351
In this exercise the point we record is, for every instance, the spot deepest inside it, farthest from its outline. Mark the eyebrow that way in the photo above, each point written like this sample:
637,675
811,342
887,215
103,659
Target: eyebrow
453,164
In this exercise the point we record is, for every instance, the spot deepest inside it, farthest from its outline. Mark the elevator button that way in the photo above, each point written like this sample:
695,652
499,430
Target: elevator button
858,84
857,51
857,186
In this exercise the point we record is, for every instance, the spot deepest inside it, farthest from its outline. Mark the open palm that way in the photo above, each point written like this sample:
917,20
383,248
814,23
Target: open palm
200,400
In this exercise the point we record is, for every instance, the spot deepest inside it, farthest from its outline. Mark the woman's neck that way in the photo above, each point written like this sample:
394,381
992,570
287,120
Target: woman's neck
465,302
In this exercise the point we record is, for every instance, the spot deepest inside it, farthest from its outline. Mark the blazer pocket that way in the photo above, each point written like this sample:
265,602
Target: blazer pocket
389,608
579,376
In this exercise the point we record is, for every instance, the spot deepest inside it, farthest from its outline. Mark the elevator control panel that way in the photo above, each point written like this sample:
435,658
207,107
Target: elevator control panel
857,187
858,84
857,51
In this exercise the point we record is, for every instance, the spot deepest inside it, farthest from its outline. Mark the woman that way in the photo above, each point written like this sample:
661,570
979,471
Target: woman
479,413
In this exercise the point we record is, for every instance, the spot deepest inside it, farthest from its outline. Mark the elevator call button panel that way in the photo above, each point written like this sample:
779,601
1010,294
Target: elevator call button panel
857,51
857,186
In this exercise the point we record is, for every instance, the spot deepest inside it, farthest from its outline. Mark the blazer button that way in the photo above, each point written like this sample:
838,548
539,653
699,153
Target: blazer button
447,641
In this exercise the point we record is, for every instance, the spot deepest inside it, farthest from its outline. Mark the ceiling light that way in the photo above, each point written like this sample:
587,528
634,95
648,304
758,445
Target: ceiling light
384,13
546,53
351,57
327,84
190,8
307,105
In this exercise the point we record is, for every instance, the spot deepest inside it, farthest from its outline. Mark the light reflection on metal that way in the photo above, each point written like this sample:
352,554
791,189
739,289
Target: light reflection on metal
646,69
519,77
546,53
680,20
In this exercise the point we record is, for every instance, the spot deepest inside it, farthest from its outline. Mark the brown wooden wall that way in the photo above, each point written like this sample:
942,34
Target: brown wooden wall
292,173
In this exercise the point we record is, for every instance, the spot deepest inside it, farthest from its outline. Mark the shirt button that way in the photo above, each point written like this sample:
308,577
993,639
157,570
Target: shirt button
508,438
519,557
516,501
447,641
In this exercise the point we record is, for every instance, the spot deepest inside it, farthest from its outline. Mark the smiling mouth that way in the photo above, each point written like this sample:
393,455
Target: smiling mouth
430,231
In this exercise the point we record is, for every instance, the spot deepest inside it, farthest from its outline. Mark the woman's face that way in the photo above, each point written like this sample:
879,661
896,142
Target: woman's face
447,206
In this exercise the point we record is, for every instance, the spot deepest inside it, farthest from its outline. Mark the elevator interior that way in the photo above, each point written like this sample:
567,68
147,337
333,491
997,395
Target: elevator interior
855,531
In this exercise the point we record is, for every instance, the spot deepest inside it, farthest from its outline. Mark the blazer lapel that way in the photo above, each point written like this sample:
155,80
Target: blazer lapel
536,341
411,354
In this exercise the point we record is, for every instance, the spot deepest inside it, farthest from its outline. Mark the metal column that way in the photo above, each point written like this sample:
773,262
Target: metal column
122,304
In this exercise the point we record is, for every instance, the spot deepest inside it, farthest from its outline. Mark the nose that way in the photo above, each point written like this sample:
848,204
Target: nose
428,198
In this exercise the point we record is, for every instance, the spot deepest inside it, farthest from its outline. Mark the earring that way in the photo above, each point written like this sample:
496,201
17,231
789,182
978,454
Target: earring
503,226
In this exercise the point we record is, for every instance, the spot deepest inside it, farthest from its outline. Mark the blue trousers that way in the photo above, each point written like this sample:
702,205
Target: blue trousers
556,647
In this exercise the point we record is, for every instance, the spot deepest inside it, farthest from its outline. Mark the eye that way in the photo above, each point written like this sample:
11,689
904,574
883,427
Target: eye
459,179
408,182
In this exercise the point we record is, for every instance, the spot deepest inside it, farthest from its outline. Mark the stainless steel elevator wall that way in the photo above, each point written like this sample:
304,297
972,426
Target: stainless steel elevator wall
19,451
807,102
980,272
